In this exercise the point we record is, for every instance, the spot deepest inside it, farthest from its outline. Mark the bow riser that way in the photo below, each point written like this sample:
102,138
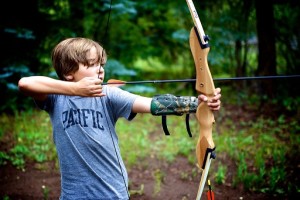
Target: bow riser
204,85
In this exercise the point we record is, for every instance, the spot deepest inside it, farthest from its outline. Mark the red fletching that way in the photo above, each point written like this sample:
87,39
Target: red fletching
210,194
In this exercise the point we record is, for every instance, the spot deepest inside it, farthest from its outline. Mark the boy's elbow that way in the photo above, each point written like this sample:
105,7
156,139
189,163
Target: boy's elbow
29,87
23,84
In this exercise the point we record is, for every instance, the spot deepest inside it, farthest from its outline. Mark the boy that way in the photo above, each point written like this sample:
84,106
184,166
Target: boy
83,115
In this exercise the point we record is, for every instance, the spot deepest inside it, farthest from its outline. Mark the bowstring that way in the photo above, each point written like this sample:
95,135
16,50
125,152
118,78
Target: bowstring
107,21
106,114
114,144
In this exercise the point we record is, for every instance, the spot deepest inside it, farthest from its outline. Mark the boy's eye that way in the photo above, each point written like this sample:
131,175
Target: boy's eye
94,64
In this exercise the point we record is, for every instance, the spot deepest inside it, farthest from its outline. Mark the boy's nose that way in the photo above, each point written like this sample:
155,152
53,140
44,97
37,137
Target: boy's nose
100,69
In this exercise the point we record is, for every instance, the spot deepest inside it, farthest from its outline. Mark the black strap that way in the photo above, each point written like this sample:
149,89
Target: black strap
164,124
187,124
165,127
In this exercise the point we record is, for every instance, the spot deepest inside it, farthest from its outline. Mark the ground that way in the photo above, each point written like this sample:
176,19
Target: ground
177,183
150,179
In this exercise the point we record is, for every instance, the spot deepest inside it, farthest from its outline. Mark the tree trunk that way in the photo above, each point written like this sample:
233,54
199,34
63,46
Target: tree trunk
266,44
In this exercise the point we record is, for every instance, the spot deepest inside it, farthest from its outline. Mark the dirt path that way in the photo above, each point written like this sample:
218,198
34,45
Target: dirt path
158,179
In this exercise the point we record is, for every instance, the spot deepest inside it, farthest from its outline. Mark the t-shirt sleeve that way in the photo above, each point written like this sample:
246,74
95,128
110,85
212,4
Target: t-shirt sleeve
121,102
47,104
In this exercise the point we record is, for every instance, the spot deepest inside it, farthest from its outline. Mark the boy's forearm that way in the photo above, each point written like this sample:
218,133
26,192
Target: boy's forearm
41,85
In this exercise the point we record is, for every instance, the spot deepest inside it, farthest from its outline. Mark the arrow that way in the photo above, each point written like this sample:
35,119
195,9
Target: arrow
210,194
241,78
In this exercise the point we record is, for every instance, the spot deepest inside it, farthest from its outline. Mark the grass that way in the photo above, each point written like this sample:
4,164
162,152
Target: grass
260,149
30,137
150,140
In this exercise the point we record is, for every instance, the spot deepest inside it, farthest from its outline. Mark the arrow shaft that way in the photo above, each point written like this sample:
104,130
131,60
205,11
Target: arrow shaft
160,81
256,78
242,78
203,177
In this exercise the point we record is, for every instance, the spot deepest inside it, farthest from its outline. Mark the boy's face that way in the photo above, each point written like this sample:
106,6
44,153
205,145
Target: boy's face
93,70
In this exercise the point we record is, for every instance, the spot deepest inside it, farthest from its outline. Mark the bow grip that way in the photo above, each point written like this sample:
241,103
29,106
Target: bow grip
205,141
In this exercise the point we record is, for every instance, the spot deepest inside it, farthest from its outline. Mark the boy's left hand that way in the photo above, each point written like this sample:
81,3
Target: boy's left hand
215,103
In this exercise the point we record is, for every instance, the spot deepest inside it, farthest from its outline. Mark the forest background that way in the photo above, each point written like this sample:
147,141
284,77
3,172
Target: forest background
148,40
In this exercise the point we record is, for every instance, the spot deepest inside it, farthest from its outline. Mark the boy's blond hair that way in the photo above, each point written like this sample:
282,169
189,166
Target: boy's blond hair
69,53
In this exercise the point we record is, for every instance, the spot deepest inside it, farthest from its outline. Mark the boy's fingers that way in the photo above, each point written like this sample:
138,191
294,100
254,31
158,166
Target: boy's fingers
98,81
217,91
99,95
216,98
202,98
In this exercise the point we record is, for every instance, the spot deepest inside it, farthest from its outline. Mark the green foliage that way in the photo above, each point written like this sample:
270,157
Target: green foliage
18,154
220,175
286,16
3,158
138,192
158,178
165,148
46,192
260,151
143,31
115,69
9,77
291,103
5,197
32,139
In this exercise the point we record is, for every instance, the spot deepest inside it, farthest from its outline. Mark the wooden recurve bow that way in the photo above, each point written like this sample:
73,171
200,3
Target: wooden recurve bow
204,85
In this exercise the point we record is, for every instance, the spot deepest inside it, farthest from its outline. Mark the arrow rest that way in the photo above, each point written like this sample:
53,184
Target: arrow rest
211,153
205,39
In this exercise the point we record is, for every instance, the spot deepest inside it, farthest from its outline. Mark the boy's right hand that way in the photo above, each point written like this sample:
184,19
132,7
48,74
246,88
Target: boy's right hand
89,87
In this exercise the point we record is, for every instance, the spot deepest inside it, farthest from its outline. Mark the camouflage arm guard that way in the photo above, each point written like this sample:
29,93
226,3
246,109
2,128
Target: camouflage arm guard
173,105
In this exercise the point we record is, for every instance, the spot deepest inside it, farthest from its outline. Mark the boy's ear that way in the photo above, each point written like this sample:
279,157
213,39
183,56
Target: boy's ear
69,77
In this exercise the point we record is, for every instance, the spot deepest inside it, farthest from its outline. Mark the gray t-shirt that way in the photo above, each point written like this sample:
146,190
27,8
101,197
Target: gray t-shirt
87,143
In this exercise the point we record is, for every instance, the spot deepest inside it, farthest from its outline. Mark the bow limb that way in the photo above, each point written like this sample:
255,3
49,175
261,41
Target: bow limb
204,85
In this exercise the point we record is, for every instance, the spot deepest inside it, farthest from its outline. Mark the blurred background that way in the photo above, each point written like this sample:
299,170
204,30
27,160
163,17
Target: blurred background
149,40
